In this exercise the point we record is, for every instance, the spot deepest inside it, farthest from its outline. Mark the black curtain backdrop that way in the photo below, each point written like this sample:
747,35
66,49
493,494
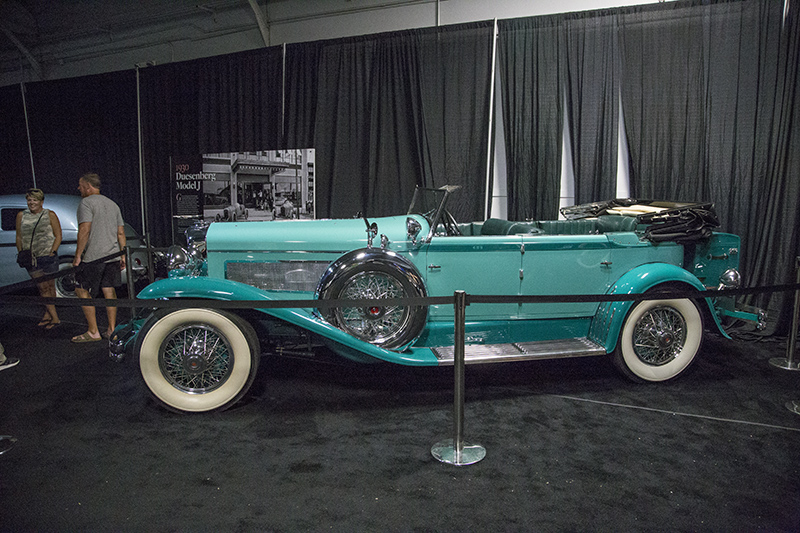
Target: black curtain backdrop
239,99
342,139
300,94
592,89
531,62
87,124
226,103
399,110
708,103
774,239
170,122
709,94
456,81
15,160
663,101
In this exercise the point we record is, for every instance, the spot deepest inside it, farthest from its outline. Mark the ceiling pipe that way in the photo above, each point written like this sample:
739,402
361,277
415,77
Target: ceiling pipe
37,68
263,24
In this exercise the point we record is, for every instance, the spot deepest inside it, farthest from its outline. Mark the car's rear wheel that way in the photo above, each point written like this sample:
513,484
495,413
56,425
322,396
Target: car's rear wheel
659,339
389,326
197,360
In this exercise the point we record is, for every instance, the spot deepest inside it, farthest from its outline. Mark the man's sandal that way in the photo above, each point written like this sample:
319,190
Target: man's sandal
86,337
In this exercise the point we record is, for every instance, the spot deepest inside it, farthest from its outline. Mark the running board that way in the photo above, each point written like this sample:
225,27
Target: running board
520,351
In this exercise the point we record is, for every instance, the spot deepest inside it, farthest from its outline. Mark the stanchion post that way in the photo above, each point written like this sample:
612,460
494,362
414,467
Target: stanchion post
788,362
457,452
151,274
129,276
791,346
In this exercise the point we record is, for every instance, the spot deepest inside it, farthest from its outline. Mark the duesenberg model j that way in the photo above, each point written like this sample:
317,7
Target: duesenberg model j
201,358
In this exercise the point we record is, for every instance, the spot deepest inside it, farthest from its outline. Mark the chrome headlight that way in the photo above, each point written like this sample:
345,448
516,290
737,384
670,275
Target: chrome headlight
177,257
730,279
196,236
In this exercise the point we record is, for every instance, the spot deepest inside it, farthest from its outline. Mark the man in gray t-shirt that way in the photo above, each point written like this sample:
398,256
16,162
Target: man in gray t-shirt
101,232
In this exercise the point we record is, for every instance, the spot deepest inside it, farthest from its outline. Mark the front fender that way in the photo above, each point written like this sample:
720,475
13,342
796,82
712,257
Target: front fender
227,290
610,317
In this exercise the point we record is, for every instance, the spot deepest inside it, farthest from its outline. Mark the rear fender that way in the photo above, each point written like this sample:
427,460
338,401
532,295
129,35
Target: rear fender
607,322
227,290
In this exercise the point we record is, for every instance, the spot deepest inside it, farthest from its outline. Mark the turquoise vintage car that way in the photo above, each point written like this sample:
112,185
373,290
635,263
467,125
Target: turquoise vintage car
196,358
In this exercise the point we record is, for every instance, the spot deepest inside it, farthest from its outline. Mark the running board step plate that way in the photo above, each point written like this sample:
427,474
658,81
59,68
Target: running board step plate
520,351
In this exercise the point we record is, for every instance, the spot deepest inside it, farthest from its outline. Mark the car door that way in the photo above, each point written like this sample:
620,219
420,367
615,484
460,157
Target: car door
484,265
12,273
564,265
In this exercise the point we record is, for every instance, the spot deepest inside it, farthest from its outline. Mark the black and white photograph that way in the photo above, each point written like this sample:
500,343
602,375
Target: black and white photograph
266,185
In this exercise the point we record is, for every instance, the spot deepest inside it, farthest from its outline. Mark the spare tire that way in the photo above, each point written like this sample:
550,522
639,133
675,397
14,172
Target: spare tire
375,274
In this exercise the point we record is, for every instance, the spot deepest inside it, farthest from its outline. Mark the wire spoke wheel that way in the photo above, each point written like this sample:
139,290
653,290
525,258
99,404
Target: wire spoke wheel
659,336
372,323
659,339
196,358
372,274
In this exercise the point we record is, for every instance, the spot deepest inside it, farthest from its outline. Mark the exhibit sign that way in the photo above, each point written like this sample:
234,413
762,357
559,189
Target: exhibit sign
186,198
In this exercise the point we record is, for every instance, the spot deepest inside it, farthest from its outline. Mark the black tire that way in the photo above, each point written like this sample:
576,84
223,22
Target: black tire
65,285
389,327
197,360
659,340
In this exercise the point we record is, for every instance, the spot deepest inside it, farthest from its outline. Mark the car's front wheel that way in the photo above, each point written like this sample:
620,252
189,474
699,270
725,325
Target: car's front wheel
659,339
197,360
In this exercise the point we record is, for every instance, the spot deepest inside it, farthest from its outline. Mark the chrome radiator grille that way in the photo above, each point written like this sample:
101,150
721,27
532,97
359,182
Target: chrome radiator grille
277,276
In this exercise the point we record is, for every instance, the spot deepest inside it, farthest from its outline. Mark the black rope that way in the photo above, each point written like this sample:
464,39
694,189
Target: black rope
307,303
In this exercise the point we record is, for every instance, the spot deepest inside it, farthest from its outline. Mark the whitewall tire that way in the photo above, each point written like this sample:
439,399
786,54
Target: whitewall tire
659,339
197,360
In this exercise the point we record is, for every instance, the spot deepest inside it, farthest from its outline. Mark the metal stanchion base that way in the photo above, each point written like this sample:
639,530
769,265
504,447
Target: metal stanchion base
445,452
786,364
794,406
6,443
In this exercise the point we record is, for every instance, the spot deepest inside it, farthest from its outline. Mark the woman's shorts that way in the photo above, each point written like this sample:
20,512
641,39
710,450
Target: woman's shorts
45,265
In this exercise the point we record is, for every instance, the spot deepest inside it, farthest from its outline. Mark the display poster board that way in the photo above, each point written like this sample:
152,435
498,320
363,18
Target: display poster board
186,194
241,187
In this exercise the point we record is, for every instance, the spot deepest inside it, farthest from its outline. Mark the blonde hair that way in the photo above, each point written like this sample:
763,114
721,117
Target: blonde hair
36,194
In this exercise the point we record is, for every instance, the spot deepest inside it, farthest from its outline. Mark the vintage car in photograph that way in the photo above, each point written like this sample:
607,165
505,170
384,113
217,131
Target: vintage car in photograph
197,358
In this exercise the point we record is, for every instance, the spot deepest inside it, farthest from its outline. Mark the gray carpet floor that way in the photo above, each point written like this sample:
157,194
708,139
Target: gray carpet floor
570,446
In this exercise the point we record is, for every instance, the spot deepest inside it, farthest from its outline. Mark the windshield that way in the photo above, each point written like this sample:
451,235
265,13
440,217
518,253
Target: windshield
430,203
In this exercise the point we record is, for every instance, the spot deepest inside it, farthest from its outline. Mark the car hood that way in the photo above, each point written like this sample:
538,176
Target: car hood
307,235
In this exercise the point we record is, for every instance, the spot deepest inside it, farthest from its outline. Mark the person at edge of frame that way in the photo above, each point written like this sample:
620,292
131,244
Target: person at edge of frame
6,362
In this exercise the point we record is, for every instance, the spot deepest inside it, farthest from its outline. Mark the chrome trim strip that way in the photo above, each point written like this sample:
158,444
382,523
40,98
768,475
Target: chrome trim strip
336,252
